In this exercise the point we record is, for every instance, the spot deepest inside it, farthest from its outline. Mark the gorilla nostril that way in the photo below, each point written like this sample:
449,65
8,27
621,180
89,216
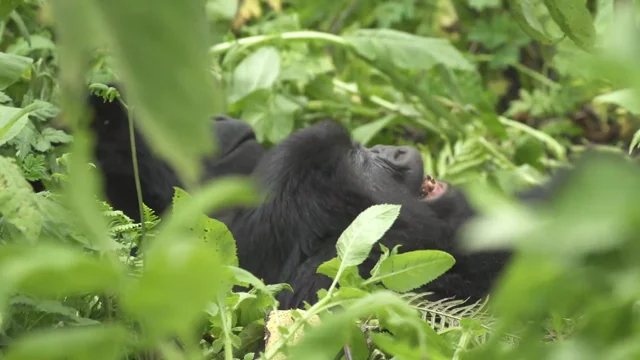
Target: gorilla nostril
399,153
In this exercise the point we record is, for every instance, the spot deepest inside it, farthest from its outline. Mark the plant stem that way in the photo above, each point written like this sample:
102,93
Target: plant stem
136,172
294,35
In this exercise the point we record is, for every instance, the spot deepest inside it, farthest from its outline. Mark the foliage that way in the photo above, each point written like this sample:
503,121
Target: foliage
495,94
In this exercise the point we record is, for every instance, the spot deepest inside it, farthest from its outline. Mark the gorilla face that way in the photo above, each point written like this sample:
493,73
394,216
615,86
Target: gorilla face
397,168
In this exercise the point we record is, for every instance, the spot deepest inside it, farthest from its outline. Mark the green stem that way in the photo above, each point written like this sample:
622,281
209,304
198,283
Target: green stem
136,171
295,35
523,69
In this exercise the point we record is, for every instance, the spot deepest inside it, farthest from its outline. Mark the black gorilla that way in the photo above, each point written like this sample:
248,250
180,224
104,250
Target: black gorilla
316,181
238,153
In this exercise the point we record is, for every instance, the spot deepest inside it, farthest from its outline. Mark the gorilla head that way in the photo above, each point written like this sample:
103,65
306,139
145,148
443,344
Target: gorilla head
317,181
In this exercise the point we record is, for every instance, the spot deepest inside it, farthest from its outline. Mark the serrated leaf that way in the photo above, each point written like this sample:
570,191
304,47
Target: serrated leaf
407,51
12,67
354,244
257,71
210,231
575,20
408,271
13,120
56,136
104,342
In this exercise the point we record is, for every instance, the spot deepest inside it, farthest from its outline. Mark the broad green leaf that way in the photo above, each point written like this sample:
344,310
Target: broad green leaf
244,277
408,271
13,120
626,98
12,67
482,4
575,20
407,51
162,59
210,197
104,342
354,244
210,231
36,42
525,12
7,6
271,115
364,133
180,278
52,270
257,71
18,202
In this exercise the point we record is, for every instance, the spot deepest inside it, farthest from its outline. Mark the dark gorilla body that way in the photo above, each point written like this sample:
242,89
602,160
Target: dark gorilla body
316,181
238,153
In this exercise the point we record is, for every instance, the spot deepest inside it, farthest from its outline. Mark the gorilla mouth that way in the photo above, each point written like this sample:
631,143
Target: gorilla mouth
432,189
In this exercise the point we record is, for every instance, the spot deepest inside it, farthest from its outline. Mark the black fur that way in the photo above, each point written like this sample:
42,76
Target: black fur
315,191
239,152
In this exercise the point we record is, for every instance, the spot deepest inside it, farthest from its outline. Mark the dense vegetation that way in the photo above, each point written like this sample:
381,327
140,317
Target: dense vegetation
496,95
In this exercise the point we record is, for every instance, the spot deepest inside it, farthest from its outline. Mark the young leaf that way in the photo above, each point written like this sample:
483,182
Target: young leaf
406,51
354,245
575,20
408,271
11,68
257,71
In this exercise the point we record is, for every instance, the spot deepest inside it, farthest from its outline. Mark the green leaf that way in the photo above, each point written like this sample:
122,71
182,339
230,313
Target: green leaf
12,67
53,270
56,136
7,6
36,42
482,4
525,12
180,278
408,271
626,98
210,231
18,203
575,20
104,342
364,133
635,142
271,115
13,120
354,244
325,340
257,71
406,51
350,275
163,61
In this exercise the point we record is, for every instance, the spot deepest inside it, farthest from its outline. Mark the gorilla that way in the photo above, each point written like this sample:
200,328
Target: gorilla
315,183
238,154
